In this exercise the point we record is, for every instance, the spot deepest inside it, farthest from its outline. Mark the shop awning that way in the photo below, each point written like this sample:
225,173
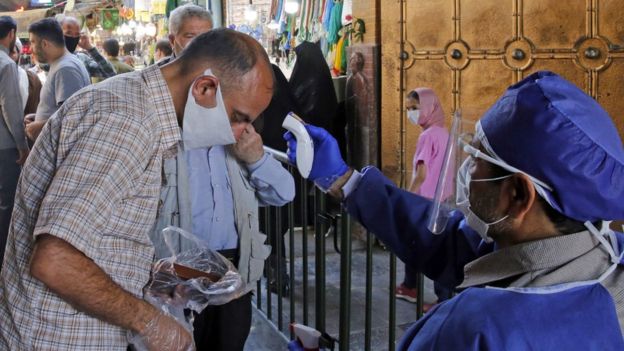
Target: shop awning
25,18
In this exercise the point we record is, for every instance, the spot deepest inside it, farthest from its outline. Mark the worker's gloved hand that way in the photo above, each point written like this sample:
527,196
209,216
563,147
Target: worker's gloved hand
164,333
328,164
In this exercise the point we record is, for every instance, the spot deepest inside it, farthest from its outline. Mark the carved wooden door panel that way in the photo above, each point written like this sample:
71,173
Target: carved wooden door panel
469,51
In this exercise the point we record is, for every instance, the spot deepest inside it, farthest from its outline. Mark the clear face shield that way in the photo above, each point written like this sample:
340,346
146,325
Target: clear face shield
452,192
445,199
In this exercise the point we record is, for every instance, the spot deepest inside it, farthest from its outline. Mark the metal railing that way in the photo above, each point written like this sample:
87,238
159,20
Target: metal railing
297,303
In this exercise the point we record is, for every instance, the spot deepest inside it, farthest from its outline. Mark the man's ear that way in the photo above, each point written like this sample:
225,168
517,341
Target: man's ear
205,91
171,38
522,195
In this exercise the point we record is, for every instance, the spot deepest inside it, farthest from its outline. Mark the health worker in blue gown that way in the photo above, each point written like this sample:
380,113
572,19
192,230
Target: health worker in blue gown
526,241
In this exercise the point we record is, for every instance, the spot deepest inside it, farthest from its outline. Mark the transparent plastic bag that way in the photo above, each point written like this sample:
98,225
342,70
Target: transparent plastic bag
192,279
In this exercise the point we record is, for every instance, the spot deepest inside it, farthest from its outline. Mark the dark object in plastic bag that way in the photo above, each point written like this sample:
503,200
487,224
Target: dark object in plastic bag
186,273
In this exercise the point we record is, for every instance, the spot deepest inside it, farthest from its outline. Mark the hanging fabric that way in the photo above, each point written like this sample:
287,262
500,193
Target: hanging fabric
329,5
334,23
347,12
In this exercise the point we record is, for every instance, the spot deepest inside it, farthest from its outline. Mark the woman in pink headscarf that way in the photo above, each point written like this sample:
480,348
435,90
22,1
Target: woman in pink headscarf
424,109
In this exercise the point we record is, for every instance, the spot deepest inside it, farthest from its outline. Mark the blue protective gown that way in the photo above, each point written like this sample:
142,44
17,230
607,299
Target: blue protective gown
556,318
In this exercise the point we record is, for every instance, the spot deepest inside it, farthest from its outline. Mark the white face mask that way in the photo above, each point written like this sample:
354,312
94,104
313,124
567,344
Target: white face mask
206,127
463,201
413,116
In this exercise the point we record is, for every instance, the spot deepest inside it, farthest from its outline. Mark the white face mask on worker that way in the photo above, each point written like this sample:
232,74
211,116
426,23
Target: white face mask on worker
206,127
463,201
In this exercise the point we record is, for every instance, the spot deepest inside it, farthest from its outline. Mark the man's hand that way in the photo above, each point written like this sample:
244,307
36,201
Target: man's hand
163,333
29,118
85,41
23,155
33,129
248,148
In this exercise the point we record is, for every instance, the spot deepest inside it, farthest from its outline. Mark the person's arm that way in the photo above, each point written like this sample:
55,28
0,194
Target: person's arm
90,181
273,184
396,216
10,102
59,265
418,178
96,64
399,219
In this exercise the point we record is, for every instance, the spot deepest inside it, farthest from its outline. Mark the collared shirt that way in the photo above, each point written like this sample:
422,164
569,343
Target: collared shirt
551,261
211,194
96,64
11,112
93,180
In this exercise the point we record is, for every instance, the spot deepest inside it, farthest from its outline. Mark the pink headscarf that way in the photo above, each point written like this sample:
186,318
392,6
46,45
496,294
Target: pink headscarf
431,113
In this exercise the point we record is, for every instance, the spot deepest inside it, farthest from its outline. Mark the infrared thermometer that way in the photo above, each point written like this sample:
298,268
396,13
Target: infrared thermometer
305,146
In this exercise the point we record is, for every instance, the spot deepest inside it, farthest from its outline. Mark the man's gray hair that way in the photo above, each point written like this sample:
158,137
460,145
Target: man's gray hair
183,13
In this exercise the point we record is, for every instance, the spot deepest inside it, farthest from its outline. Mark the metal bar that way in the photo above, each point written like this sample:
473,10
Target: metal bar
278,155
392,304
304,247
291,255
368,325
320,261
345,281
269,310
259,292
279,242
420,299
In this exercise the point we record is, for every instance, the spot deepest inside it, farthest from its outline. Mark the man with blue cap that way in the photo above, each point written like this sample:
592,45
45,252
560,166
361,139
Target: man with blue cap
530,249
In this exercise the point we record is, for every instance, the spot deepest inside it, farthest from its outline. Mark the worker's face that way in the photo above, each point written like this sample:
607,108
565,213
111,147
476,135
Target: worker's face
486,200
38,47
189,29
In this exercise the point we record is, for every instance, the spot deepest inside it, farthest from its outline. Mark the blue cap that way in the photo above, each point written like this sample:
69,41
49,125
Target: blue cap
553,131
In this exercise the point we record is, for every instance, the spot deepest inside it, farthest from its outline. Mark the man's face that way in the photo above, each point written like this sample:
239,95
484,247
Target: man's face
244,105
189,29
485,196
37,47
14,54
71,29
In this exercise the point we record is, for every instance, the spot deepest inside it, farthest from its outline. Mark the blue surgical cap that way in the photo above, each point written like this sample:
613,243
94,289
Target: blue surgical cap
553,131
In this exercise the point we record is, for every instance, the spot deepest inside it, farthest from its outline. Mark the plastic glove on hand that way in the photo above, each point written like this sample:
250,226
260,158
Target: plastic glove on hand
164,333
328,164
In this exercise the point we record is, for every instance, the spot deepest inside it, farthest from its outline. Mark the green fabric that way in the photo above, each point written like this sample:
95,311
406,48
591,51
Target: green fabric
335,23
171,5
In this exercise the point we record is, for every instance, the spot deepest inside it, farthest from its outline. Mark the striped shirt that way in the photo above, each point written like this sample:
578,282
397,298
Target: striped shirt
93,179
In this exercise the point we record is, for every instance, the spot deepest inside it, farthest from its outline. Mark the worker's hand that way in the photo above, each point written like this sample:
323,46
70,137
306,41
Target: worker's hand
23,155
328,164
163,333
85,41
249,148
33,129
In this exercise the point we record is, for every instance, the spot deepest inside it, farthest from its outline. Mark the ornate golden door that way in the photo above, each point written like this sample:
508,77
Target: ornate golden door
469,51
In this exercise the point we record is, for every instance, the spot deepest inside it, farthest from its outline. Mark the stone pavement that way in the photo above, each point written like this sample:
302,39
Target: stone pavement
265,336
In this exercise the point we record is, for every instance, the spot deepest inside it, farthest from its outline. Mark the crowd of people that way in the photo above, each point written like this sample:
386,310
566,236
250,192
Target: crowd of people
90,174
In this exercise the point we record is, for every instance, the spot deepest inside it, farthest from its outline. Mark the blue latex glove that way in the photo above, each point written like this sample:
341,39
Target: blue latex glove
328,164
295,345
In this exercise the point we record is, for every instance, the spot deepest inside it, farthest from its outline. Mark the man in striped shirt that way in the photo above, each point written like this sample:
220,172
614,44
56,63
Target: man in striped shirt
78,252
